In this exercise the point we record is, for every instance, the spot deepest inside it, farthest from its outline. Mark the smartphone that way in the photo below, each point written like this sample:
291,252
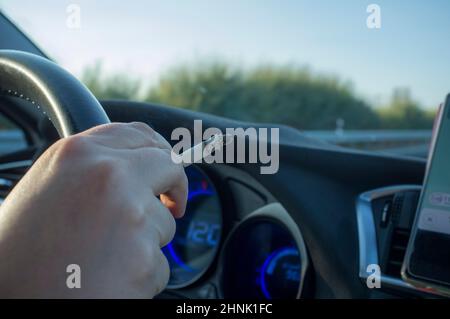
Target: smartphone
427,258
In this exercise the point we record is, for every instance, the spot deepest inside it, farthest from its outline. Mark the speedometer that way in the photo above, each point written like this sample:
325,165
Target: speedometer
198,233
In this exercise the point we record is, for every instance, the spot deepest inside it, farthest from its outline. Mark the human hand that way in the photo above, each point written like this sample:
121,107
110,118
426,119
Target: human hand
91,200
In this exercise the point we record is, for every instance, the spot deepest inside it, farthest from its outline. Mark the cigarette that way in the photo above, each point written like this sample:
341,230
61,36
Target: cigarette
202,150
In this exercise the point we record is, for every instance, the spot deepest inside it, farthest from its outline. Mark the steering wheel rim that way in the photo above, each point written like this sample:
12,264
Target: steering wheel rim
68,104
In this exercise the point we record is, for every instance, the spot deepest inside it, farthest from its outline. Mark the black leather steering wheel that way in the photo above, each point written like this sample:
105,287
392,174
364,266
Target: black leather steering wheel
69,104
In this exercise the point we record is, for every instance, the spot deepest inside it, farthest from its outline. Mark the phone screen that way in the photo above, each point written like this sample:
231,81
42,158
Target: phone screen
428,255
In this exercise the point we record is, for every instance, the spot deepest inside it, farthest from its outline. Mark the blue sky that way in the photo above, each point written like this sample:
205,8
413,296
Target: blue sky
144,38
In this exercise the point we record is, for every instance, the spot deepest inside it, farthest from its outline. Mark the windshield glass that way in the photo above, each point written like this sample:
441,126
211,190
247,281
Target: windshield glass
358,73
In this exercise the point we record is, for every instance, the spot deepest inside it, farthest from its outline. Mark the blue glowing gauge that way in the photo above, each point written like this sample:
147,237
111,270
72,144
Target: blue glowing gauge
261,260
198,233
280,273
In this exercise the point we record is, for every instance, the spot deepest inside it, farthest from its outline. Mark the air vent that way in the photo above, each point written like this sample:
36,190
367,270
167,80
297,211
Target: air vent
397,205
10,174
397,251
389,240
5,186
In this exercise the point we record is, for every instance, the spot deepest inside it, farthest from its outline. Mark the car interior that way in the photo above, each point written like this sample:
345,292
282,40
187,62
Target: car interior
309,231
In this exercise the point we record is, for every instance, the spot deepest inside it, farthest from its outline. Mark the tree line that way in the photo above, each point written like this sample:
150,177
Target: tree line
289,95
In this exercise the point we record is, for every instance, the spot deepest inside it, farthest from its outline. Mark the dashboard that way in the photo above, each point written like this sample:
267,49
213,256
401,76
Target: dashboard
306,232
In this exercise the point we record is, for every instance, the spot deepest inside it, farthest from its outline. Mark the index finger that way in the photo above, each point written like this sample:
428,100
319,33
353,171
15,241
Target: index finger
165,178
126,136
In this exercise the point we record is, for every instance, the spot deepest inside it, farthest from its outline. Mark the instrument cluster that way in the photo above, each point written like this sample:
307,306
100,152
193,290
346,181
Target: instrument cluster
262,256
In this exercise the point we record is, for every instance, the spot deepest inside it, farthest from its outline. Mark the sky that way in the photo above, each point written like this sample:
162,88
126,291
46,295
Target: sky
144,38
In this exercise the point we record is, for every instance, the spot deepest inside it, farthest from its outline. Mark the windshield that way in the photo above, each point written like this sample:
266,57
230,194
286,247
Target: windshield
358,73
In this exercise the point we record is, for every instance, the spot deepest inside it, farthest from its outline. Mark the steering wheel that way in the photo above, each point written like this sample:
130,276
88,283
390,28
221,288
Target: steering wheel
68,104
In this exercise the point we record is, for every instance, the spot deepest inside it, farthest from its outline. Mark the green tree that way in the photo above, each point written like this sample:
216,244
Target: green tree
289,95
112,86
403,112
